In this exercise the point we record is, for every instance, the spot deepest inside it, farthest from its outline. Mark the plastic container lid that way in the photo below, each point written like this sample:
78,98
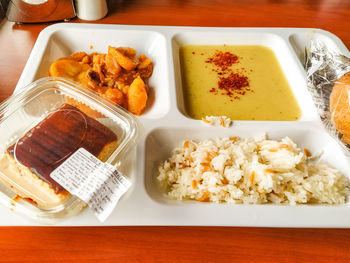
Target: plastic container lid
40,128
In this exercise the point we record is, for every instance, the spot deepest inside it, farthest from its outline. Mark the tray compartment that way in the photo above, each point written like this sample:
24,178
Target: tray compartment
300,40
62,43
145,203
160,143
277,44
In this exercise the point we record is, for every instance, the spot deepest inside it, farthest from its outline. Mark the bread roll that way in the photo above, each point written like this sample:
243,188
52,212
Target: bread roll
340,106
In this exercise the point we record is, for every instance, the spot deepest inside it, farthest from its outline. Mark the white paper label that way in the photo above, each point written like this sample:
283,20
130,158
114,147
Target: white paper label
98,184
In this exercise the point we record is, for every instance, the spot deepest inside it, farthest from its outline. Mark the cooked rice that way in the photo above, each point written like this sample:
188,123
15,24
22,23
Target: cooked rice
250,171
218,120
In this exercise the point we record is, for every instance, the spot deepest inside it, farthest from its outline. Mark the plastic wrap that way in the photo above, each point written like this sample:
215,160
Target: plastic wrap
328,79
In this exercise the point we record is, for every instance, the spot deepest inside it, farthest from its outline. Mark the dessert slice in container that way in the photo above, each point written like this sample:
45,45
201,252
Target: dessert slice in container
40,128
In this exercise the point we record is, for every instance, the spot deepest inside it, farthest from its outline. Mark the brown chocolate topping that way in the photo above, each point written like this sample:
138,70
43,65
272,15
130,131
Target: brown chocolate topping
58,136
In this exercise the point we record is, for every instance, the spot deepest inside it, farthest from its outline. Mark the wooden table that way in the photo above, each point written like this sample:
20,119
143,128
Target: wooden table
177,244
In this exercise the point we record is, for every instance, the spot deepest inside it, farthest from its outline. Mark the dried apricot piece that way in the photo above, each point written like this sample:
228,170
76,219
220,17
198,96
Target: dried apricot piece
127,51
123,59
70,69
144,62
78,56
115,95
145,68
112,65
137,96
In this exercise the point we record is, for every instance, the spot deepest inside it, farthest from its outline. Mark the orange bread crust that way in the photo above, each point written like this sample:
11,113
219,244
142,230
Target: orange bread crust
340,106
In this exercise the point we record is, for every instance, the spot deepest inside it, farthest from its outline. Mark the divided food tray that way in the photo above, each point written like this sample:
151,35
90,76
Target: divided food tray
166,124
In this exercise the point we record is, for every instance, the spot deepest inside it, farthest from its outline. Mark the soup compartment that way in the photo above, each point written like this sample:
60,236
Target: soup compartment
280,48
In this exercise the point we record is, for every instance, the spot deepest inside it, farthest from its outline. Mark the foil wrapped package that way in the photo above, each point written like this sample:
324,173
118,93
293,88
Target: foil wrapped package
328,80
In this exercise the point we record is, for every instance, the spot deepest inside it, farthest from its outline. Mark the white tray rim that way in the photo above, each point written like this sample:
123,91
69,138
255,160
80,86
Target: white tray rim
337,218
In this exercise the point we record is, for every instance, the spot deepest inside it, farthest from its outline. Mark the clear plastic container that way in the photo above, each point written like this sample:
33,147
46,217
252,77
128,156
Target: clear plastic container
41,127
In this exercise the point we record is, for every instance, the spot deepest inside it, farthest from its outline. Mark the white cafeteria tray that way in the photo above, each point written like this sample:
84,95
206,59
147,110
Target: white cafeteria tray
166,124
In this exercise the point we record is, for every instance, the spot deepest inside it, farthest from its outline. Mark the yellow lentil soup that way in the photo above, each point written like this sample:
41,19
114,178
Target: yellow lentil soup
240,82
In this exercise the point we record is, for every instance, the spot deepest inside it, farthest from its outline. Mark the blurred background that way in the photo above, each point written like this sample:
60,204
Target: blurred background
36,11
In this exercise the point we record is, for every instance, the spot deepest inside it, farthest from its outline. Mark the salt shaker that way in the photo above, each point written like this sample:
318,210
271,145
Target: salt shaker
91,9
